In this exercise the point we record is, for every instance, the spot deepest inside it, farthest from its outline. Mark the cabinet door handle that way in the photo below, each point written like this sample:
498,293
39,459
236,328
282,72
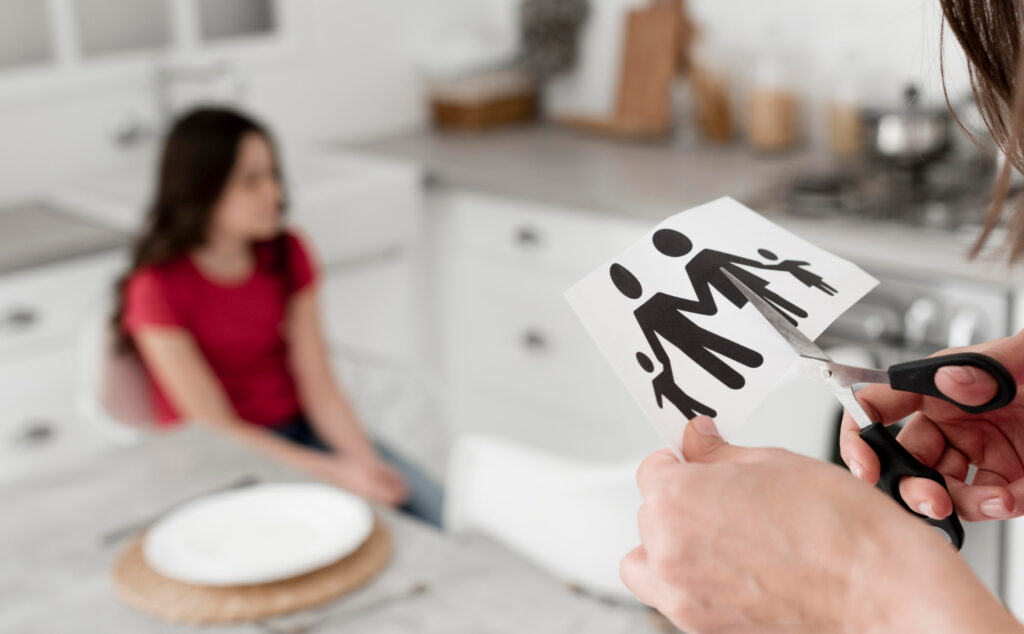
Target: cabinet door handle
536,341
35,434
19,319
529,237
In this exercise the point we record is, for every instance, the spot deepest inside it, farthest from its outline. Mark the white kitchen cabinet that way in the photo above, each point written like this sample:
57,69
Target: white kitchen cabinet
43,312
40,429
45,306
514,358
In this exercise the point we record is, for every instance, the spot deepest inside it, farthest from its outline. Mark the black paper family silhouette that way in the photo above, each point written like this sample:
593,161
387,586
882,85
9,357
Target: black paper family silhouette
663,314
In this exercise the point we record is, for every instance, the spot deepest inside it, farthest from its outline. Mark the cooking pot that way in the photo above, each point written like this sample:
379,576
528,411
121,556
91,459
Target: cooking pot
913,135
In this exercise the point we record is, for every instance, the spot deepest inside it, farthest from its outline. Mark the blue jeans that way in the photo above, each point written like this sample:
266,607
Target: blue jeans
426,497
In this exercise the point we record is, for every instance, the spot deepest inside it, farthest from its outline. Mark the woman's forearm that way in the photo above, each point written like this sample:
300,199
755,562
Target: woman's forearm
926,586
335,420
301,458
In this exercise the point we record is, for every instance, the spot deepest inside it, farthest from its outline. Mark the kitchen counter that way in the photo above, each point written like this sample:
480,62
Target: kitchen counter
648,182
62,531
36,234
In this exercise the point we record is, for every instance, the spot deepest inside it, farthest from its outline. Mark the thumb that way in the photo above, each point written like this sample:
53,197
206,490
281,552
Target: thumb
966,384
702,443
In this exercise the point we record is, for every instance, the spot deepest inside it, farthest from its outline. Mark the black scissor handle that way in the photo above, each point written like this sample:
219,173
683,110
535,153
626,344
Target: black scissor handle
919,377
897,463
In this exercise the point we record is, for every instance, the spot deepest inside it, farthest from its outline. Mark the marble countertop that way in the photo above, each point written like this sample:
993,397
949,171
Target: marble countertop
62,531
648,182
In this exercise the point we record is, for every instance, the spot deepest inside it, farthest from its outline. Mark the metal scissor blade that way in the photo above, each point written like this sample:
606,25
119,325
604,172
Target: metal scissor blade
837,378
813,359
796,339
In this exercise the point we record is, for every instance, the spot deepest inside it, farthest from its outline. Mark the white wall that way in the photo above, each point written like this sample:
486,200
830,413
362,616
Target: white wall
350,73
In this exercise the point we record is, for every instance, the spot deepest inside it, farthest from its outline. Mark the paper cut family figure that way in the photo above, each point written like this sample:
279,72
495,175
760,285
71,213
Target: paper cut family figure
662,316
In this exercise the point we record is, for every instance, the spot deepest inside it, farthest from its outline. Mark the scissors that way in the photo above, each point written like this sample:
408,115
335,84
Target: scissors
911,376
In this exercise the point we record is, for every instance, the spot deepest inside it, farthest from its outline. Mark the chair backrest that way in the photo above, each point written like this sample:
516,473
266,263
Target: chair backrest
113,390
573,518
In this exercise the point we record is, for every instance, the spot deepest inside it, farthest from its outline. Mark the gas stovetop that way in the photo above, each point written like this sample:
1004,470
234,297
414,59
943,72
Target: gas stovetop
948,195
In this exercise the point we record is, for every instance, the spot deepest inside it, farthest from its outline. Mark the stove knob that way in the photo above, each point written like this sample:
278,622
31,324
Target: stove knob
921,317
964,328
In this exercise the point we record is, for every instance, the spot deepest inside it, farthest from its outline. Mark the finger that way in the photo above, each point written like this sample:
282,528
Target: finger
923,438
1009,351
985,502
886,405
984,477
636,575
655,470
965,384
927,497
926,442
880,403
701,443
954,464
386,493
857,454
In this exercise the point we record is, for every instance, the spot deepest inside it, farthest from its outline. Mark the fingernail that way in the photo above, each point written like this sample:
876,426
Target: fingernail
925,508
705,426
857,469
995,507
959,374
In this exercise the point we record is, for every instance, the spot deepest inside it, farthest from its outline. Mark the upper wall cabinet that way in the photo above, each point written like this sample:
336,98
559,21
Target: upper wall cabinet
122,26
228,19
50,46
24,34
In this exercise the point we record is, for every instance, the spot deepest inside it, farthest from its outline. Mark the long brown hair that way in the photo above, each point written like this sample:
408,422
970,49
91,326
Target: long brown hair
198,155
990,32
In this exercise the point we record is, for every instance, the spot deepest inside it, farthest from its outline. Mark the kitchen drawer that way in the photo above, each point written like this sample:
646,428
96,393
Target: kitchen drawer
50,302
40,431
514,330
525,234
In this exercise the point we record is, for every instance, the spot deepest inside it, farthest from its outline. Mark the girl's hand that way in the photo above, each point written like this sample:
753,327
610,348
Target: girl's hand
764,540
942,436
368,478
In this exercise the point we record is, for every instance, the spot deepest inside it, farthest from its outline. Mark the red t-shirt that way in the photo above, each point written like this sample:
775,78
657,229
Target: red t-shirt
238,327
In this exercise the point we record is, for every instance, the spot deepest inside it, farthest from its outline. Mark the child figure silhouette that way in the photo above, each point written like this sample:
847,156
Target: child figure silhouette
665,388
797,270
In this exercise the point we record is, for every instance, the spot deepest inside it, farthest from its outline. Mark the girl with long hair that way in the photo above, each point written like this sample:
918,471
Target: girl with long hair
221,305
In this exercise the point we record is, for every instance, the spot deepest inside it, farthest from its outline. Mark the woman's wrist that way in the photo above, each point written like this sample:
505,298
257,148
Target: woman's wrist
912,580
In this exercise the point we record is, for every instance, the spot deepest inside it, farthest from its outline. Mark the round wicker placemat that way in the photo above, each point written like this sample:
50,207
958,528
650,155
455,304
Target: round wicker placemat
144,589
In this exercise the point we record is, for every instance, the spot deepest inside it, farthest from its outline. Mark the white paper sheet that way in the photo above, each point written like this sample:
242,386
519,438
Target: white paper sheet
671,324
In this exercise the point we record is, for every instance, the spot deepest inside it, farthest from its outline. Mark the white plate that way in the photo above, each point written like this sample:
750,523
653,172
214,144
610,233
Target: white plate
258,535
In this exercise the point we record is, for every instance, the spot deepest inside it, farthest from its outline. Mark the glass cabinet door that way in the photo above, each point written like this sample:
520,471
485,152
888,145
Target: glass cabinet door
227,19
122,26
25,38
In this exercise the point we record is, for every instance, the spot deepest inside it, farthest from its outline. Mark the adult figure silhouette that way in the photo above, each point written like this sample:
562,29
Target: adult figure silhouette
661,315
706,271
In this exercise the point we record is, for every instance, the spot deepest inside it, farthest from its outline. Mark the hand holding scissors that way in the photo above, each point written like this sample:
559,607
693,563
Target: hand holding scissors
917,377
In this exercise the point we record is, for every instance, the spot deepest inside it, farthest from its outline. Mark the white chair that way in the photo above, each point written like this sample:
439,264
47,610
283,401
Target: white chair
572,518
577,519
112,389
